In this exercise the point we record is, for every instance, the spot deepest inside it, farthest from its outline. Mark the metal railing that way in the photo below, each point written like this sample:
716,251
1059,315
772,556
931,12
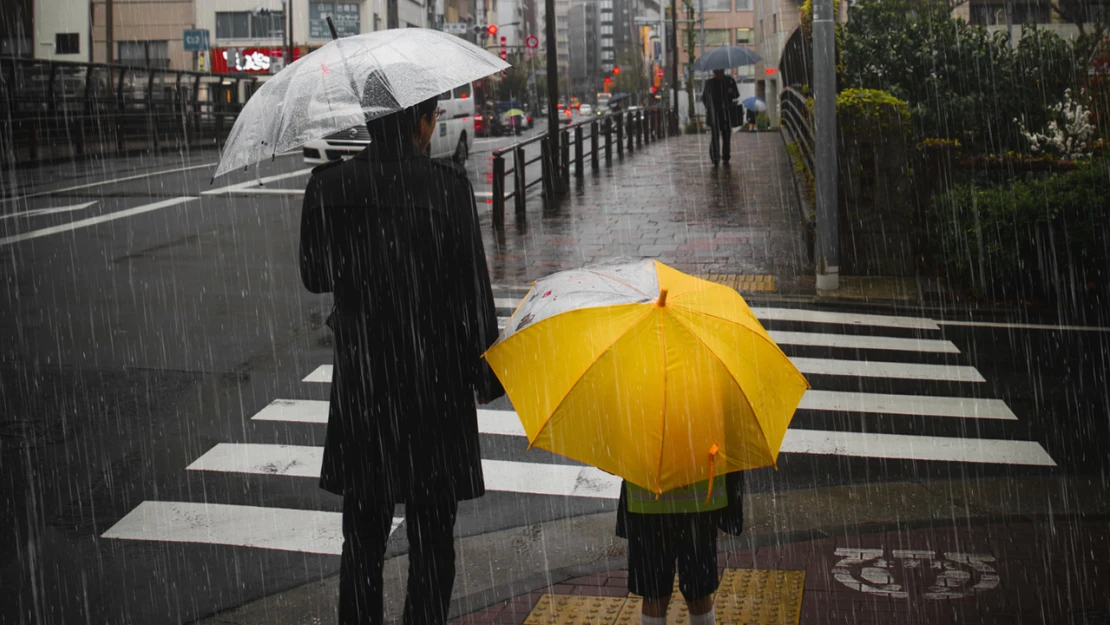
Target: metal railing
795,119
60,109
631,130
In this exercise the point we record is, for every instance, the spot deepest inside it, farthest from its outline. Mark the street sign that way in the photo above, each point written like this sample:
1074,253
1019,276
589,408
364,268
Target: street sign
532,42
454,28
195,40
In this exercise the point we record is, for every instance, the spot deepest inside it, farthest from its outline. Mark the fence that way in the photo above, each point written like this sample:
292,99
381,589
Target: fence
631,130
795,120
58,109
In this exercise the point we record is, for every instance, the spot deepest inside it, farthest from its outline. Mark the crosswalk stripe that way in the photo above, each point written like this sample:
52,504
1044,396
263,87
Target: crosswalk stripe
923,405
502,476
820,339
307,531
905,447
802,314
506,423
878,369
826,366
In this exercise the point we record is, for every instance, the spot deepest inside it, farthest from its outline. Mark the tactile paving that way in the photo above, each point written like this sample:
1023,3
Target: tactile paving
575,610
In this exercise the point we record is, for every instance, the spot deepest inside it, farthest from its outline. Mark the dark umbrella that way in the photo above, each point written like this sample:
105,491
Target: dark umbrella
726,57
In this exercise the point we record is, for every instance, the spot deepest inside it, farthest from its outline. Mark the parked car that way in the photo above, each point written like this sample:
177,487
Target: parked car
453,138
585,110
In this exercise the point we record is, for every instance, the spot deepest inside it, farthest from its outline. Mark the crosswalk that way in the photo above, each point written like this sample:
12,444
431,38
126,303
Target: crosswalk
859,365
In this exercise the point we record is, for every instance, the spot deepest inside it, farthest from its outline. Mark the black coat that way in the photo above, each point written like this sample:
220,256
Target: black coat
730,519
718,97
395,236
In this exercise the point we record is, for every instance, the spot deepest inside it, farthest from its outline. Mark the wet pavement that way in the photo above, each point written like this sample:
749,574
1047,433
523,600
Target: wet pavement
170,377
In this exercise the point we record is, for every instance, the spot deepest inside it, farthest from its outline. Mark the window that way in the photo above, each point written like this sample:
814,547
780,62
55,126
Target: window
67,43
145,53
743,5
744,35
267,25
718,6
462,92
715,37
233,25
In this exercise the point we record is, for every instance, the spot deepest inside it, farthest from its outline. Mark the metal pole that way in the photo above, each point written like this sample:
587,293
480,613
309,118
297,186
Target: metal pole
674,63
824,122
552,85
498,191
109,32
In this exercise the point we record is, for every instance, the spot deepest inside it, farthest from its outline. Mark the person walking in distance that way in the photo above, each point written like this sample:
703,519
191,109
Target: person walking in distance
719,93
395,237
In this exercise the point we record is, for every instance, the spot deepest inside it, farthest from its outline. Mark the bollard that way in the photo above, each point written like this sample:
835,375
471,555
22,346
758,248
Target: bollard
565,162
631,132
620,134
498,191
577,151
594,156
547,171
520,171
608,141
640,129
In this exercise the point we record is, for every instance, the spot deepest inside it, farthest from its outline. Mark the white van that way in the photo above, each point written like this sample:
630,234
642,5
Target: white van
452,139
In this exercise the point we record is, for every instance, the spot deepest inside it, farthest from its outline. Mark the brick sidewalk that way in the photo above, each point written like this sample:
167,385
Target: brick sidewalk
667,202
1004,573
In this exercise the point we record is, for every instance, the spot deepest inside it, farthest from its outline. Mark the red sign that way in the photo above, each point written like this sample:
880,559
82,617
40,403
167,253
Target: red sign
248,60
770,70
532,42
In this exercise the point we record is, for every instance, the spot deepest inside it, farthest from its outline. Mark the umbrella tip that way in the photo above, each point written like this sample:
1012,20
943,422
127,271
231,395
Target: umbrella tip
662,298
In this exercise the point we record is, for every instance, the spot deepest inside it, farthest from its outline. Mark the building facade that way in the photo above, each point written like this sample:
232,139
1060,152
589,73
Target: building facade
727,23
149,33
775,21
584,48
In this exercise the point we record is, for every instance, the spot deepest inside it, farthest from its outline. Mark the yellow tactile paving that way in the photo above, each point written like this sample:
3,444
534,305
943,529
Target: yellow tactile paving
745,597
741,282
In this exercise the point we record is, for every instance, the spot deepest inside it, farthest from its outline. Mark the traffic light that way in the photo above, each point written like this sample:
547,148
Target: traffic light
617,70
491,30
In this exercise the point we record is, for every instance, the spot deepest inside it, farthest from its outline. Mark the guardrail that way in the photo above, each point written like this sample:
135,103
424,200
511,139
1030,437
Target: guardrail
795,118
632,129
61,109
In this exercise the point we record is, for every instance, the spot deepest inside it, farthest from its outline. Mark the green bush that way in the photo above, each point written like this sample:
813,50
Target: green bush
762,122
1032,239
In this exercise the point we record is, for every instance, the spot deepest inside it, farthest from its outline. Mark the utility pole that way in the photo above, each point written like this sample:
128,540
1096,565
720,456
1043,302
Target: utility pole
552,89
674,65
291,45
824,122
109,32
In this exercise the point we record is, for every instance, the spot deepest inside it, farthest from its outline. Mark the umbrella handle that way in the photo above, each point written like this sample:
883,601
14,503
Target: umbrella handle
712,471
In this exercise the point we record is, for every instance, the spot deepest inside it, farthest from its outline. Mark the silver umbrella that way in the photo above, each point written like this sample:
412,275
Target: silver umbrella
725,57
348,82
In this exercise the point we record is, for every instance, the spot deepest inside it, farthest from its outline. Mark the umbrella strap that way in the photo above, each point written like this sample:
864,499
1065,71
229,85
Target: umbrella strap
712,471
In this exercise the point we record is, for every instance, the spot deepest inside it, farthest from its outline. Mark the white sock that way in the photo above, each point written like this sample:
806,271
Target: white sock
709,618
653,620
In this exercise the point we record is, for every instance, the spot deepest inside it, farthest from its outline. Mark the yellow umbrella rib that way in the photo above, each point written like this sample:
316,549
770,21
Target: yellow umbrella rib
607,277
663,410
755,414
766,339
582,375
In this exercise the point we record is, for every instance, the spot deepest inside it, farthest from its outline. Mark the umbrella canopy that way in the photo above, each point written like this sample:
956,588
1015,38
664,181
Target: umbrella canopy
513,113
647,373
348,82
726,57
754,104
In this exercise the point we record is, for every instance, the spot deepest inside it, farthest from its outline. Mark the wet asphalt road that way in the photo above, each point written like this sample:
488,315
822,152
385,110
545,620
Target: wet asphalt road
151,317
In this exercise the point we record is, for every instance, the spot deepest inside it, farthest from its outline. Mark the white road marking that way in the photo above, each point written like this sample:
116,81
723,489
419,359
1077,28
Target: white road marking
879,369
501,476
923,405
92,221
50,211
824,366
483,194
107,182
257,190
506,423
306,531
864,342
817,316
242,186
905,447
1023,326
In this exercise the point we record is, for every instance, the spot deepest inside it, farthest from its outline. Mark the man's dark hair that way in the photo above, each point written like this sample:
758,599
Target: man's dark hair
402,124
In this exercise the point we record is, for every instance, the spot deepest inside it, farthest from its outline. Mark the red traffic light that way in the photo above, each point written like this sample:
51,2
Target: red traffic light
608,80
617,71
492,30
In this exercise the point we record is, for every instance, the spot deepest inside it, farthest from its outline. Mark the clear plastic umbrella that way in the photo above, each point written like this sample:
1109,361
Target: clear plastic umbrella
348,82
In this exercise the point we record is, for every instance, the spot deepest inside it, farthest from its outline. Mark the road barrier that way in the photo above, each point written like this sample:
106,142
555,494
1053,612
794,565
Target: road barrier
632,129
58,109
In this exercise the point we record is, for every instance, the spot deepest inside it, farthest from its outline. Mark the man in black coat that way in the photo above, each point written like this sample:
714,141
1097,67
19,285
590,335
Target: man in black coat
719,93
395,237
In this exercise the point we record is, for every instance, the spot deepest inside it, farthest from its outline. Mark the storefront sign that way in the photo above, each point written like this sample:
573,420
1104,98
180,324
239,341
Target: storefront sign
345,15
248,60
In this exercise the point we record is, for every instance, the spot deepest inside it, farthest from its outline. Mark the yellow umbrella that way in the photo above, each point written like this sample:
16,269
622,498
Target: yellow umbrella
647,373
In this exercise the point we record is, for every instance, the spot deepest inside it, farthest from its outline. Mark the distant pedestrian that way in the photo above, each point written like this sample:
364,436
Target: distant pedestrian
752,116
395,237
718,95
678,527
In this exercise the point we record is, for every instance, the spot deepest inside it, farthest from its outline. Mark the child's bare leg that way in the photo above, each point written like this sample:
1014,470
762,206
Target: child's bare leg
655,607
701,606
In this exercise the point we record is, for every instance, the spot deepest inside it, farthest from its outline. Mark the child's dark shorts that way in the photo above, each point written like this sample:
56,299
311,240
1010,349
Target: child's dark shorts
657,541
